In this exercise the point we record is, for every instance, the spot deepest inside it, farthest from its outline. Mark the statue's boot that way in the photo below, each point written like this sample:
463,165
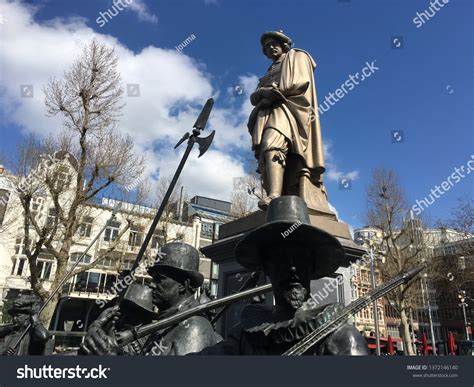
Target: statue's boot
274,174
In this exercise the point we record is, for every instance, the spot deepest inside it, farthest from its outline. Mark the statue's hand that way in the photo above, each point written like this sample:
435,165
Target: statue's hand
34,320
100,339
9,352
265,103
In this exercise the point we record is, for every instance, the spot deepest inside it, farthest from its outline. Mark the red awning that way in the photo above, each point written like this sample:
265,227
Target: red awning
374,346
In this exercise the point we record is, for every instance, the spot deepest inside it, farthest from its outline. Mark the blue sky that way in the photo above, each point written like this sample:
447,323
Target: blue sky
423,89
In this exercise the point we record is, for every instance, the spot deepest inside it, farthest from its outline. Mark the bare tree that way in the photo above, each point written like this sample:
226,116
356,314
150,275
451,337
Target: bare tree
66,173
402,242
453,266
170,217
247,191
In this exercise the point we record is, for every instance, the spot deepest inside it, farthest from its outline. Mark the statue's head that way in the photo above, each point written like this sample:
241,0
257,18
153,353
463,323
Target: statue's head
176,276
136,306
23,307
290,269
290,250
274,44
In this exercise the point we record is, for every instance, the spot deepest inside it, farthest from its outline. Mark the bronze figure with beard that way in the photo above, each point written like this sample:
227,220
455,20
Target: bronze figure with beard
291,260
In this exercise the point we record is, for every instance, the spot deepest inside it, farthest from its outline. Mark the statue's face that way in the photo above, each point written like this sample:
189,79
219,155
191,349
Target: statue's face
165,291
132,316
273,49
290,271
20,319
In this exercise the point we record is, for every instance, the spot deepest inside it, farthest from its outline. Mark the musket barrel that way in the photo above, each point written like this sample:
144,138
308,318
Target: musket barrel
123,338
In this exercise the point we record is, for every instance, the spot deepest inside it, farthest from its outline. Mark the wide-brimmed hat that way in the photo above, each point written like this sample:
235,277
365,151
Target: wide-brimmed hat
179,259
277,35
25,304
140,296
288,224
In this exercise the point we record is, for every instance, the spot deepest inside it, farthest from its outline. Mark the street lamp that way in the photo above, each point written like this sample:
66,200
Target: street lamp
424,285
370,243
463,304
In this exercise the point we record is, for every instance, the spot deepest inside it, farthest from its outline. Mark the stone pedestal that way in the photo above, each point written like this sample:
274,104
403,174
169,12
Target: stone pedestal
232,275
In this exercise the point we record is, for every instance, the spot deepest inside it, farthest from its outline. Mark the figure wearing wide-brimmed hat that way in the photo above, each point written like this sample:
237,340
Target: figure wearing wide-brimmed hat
284,125
24,311
291,253
175,280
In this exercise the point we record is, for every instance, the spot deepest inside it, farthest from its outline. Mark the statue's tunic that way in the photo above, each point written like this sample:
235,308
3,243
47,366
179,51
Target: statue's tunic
191,335
295,116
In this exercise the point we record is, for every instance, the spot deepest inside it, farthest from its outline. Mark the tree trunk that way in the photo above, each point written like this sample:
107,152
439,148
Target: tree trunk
48,312
405,331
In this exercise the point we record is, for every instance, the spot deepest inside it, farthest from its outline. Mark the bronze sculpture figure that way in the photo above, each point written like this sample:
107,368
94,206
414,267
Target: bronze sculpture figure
135,309
175,281
24,312
284,125
290,262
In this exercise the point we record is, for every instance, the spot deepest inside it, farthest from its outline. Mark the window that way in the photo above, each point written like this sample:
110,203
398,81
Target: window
93,282
36,206
62,178
81,282
20,247
85,227
19,265
52,216
110,282
135,236
393,331
106,262
112,231
207,230
44,269
75,256
4,196
127,265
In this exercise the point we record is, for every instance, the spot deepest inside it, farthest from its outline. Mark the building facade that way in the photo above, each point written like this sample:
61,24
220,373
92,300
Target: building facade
84,295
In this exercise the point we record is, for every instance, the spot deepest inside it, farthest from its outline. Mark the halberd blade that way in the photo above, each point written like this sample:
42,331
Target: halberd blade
184,138
204,143
204,116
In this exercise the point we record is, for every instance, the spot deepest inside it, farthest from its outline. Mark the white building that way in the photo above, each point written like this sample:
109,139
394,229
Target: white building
82,293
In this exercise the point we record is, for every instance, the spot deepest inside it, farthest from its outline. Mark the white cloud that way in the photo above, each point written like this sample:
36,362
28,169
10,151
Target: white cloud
173,87
332,170
142,11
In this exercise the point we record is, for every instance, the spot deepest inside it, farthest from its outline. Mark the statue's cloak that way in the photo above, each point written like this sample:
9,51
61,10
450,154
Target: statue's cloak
296,116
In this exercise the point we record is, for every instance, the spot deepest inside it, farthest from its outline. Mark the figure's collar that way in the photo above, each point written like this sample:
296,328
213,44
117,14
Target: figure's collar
279,60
